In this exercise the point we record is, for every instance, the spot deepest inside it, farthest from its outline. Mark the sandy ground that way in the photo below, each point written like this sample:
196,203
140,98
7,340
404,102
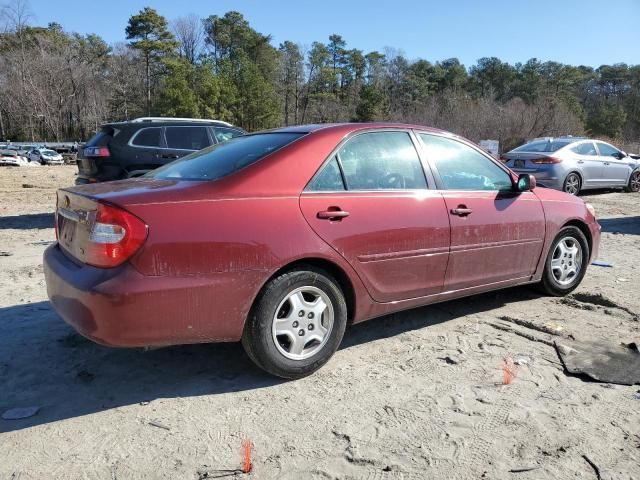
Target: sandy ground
412,395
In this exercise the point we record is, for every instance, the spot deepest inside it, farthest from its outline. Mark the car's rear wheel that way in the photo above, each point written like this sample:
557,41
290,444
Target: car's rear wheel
572,184
566,262
296,324
634,182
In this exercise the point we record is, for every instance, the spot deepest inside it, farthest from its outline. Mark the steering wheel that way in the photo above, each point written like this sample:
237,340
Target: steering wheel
392,180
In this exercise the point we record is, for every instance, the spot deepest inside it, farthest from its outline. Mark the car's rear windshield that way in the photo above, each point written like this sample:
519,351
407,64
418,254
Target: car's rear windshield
101,138
225,158
543,146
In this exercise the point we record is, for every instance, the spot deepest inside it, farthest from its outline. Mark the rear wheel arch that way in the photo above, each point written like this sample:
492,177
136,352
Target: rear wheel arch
332,269
578,173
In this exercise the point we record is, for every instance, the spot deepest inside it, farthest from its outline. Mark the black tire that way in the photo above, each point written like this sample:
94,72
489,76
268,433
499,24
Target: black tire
634,182
572,184
258,340
550,284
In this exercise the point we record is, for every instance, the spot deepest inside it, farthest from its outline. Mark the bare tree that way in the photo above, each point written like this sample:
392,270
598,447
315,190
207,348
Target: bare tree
15,15
190,35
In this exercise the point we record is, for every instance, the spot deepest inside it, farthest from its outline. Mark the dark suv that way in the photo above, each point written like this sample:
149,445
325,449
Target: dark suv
132,148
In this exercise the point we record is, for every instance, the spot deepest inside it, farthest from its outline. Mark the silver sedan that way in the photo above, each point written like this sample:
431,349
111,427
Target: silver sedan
574,164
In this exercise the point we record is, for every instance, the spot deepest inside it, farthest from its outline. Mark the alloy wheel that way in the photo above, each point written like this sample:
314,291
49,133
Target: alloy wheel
566,262
302,323
572,184
634,182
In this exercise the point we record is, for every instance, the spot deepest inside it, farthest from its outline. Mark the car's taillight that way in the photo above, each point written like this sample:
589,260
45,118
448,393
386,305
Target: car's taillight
546,160
55,218
96,152
115,236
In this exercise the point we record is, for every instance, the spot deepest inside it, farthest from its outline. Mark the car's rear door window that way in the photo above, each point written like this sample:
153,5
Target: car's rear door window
381,161
187,138
328,179
148,137
463,168
225,158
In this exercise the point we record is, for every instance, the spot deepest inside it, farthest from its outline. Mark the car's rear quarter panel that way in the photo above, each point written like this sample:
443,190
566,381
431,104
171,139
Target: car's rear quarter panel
216,255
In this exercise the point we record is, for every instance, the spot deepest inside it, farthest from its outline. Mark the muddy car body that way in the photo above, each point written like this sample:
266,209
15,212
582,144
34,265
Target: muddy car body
297,232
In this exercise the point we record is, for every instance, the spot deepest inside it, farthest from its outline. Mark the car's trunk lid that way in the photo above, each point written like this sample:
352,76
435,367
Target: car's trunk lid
523,161
75,216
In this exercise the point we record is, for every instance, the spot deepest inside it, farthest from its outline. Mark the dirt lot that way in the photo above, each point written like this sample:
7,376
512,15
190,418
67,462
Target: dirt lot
412,395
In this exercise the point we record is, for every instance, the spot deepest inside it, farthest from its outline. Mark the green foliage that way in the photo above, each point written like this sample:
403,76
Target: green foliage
76,82
372,105
607,120
149,34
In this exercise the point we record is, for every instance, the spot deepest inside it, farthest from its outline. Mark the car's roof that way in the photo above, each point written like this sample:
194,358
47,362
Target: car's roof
353,127
171,123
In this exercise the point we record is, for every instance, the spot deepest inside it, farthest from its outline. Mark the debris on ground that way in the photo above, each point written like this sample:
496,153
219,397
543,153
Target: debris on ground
601,361
85,376
247,464
509,371
159,425
599,263
450,360
20,413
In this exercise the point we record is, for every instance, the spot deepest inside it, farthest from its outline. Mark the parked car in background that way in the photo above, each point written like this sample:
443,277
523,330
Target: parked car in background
574,164
129,149
283,237
10,158
45,156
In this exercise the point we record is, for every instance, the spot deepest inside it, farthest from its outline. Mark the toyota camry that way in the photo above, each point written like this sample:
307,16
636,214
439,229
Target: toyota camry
282,238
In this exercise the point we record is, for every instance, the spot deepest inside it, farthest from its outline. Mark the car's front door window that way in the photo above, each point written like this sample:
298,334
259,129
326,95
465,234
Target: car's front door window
607,150
462,167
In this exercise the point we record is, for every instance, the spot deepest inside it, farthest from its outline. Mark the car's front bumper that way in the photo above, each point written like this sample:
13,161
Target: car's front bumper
121,307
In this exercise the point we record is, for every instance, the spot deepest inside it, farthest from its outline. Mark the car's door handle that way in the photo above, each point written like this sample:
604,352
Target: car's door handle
461,211
170,155
580,161
606,163
333,213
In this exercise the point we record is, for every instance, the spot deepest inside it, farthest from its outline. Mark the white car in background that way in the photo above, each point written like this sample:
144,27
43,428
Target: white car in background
45,156
10,158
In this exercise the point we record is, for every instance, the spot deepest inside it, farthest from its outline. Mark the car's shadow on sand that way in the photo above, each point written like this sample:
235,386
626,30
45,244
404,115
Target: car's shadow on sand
27,221
44,363
624,225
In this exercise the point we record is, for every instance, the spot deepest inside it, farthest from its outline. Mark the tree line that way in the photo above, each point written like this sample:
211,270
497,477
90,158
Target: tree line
59,85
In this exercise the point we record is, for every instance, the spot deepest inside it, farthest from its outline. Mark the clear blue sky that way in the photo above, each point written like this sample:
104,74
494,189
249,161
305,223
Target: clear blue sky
579,32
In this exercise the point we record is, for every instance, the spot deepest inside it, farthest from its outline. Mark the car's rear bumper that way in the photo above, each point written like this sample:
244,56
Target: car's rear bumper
120,307
549,177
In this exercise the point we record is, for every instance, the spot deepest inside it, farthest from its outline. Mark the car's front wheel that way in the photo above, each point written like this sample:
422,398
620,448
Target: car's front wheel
566,262
572,184
634,182
296,324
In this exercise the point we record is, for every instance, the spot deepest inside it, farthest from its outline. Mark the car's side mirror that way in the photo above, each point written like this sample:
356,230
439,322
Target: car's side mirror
526,182
619,155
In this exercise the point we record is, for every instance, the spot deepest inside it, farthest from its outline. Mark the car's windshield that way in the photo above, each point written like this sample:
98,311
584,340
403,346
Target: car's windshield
543,146
48,152
225,158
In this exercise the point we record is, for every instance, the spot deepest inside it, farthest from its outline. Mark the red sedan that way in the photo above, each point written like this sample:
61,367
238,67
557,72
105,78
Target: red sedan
282,238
